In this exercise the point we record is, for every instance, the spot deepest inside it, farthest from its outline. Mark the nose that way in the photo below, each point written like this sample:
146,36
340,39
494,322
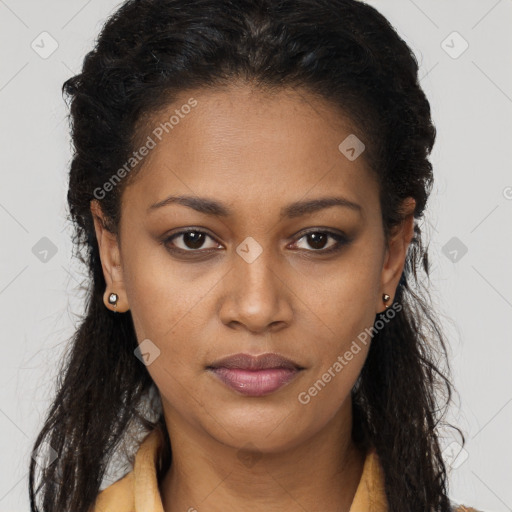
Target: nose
256,296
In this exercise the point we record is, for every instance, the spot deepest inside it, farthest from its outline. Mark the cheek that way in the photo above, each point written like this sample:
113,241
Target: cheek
337,362
165,297
169,306
344,308
344,302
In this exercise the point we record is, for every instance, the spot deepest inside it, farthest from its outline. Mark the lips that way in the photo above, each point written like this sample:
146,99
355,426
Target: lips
255,375
250,362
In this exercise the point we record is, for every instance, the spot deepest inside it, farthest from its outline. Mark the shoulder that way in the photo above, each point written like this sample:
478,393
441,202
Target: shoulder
463,508
117,497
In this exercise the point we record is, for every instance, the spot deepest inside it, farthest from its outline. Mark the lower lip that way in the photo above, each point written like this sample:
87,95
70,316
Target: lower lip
255,382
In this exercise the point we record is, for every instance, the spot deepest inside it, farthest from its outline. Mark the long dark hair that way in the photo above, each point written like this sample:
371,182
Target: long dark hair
342,51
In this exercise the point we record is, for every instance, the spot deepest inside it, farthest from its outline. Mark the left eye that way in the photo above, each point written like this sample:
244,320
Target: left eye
318,240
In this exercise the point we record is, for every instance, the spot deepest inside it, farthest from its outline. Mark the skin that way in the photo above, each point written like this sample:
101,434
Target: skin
255,153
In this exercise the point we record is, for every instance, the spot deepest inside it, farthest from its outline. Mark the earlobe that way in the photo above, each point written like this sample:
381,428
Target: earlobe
111,300
114,297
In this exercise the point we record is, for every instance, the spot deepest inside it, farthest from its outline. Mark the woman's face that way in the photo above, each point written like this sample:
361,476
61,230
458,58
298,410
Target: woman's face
254,169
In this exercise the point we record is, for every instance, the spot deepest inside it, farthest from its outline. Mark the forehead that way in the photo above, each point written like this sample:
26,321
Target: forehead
248,145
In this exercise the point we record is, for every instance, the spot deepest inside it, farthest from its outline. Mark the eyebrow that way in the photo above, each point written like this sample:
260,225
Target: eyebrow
293,210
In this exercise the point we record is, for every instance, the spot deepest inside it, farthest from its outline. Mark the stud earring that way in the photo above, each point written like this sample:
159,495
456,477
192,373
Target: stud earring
112,299
385,298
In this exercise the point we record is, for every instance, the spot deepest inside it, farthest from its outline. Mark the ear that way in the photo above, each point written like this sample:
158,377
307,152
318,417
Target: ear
396,252
110,260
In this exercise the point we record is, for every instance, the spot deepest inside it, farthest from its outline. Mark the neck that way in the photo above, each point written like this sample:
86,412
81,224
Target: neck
320,473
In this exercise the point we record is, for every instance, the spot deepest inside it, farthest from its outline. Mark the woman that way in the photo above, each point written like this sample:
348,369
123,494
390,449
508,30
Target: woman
246,184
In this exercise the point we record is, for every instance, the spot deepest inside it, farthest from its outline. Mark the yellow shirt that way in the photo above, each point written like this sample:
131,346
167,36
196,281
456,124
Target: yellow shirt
138,490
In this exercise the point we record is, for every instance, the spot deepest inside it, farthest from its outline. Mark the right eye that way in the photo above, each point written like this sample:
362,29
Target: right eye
191,240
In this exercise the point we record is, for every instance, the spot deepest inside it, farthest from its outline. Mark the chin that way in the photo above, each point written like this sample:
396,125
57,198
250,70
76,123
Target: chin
266,429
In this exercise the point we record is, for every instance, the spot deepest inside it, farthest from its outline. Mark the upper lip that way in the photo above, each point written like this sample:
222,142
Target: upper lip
260,362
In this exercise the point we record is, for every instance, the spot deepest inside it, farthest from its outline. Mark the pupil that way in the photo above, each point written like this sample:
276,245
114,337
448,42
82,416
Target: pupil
193,244
317,239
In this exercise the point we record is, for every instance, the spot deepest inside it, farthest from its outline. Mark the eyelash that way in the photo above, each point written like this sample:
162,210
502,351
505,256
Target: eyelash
341,241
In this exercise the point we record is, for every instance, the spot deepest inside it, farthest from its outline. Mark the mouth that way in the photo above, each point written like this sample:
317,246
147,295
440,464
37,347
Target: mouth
255,375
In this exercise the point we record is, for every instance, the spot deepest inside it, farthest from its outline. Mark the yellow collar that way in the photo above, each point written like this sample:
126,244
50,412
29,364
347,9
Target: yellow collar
138,490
